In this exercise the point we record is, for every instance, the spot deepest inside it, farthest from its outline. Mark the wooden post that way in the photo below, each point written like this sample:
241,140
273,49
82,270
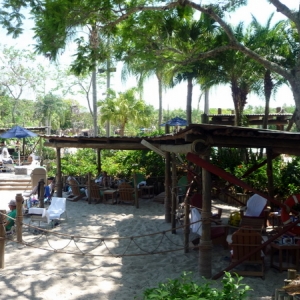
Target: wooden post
205,249
59,185
89,188
41,192
98,160
136,196
167,182
270,177
292,274
174,194
2,238
186,224
19,218
167,188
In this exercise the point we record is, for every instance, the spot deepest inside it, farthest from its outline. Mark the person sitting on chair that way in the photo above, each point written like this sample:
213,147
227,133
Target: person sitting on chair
13,213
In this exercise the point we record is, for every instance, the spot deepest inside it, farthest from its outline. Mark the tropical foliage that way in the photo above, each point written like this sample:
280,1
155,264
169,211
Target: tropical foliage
186,288
125,108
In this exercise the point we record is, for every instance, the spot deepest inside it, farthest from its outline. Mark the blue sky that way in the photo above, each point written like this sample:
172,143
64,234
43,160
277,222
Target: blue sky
176,98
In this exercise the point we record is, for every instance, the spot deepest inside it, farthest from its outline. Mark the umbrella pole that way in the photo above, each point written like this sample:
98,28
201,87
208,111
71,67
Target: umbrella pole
19,155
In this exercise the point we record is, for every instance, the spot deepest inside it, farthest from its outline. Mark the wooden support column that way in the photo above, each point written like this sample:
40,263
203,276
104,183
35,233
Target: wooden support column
98,160
89,188
270,176
59,185
2,238
19,216
205,249
186,223
136,196
41,192
174,194
167,188
167,182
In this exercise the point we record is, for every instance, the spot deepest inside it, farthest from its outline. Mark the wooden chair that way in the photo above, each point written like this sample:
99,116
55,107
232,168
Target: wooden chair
76,193
218,237
244,241
96,193
126,193
256,223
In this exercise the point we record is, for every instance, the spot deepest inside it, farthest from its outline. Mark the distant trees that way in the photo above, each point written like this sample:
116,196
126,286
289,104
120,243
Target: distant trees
18,75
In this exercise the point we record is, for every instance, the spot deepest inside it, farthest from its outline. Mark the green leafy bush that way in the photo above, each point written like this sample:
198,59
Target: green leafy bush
185,288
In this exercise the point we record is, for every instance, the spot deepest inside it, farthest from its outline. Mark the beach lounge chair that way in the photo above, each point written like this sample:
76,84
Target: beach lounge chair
57,208
244,241
126,193
77,194
96,192
54,212
39,215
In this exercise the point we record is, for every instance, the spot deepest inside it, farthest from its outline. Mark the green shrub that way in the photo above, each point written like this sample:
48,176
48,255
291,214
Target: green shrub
185,288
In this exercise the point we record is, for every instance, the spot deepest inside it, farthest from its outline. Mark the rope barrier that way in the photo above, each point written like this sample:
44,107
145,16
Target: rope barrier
102,241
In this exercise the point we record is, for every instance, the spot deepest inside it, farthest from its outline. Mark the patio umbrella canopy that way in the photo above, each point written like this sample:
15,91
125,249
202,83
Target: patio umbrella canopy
175,122
19,133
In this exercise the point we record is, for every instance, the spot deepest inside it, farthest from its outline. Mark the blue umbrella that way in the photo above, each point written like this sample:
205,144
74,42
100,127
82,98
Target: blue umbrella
176,122
19,133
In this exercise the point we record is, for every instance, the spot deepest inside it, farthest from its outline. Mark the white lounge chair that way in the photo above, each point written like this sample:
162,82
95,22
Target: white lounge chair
39,215
57,208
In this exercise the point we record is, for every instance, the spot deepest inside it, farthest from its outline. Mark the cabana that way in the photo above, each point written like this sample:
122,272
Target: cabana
195,141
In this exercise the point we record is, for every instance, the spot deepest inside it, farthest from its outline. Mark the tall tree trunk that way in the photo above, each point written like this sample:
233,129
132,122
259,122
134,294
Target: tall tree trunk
159,100
268,86
239,97
122,129
94,85
189,101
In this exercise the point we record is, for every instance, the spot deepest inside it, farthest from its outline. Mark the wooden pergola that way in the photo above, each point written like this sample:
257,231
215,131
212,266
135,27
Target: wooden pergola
279,119
195,140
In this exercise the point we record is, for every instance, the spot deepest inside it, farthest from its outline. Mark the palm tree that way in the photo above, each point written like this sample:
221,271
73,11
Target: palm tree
138,47
269,42
187,38
124,108
239,71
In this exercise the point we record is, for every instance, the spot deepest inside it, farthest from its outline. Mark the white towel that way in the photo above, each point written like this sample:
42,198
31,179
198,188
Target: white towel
255,206
196,216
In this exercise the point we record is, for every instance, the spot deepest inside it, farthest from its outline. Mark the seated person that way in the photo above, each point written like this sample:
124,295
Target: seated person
103,180
13,213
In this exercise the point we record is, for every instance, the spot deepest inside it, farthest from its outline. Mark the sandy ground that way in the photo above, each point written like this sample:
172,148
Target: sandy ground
34,273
